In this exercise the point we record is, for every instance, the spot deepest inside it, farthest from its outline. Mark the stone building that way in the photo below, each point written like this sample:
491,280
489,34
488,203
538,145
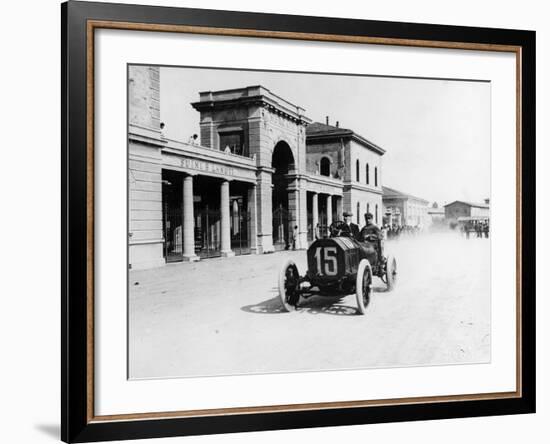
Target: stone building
351,161
462,209
145,225
403,209
259,169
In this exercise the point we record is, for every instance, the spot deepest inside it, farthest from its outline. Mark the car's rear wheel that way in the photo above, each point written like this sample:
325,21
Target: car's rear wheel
363,286
289,283
391,273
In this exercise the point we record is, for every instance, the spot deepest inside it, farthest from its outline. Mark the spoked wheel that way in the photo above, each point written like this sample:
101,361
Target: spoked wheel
289,282
391,273
363,286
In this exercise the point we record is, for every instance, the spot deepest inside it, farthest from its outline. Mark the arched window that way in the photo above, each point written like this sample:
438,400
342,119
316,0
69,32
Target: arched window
368,207
358,211
367,173
357,170
375,176
376,213
325,166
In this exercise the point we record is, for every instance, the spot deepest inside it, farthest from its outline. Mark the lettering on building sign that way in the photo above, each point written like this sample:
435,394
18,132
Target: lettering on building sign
207,167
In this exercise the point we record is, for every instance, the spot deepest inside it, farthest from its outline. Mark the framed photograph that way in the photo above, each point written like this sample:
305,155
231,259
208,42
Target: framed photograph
275,221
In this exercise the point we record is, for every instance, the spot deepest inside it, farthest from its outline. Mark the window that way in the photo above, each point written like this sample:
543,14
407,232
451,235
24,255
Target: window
367,173
376,212
368,207
358,211
375,176
232,142
325,166
357,170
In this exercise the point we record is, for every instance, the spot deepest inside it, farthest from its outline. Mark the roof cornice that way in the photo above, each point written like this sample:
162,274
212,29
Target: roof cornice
258,100
345,133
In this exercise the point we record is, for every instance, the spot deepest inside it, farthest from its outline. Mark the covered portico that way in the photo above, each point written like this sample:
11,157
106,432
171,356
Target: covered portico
271,130
210,189
324,204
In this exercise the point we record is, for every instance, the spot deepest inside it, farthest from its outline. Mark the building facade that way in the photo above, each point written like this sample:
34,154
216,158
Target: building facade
145,224
436,215
402,209
261,177
460,209
351,160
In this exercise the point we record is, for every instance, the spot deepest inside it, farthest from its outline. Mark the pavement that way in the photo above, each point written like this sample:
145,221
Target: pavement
223,316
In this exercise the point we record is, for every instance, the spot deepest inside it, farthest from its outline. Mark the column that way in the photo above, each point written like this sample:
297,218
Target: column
225,222
302,214
253,224
188,221
265,213
293,216
339,210
329,210
315,214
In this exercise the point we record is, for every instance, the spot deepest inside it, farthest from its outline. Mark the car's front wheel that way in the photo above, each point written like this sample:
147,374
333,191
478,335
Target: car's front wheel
289,283
363,286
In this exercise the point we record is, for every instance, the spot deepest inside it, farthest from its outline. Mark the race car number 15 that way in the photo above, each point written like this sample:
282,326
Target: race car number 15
327,263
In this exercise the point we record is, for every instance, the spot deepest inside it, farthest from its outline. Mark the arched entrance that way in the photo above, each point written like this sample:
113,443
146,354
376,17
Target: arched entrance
282,162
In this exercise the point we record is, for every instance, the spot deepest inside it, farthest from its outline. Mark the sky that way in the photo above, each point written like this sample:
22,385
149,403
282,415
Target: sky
436,133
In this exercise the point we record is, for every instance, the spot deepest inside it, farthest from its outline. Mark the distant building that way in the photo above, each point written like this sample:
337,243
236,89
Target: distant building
461,209
404,209
436,215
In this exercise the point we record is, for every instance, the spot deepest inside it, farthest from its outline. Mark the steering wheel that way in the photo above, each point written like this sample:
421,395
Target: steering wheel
371,238
338,228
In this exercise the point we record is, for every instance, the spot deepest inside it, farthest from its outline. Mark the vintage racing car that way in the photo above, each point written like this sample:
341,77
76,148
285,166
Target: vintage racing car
337,266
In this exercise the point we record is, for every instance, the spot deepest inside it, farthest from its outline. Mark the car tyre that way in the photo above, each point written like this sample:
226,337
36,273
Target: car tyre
289,283
363,286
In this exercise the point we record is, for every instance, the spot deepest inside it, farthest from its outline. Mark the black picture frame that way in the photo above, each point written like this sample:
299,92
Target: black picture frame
77,424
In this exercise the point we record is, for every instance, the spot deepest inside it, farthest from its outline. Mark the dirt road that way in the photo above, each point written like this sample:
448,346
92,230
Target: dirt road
223,316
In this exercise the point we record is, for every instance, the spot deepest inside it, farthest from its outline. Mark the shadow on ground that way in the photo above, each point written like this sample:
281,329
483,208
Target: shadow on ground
51,430
313,305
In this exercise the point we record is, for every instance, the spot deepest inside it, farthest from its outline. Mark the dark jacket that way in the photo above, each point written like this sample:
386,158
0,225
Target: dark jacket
354,230
350,230
370,229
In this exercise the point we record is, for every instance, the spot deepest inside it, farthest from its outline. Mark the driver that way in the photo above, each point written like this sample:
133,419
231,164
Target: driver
372,230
